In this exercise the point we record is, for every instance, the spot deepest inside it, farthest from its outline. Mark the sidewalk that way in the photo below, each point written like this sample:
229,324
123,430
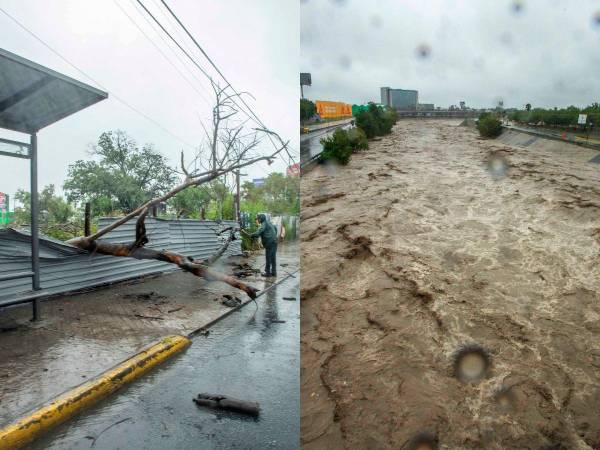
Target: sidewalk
84,334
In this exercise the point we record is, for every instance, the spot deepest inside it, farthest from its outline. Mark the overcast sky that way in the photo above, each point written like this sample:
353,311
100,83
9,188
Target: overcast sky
543,52
255,44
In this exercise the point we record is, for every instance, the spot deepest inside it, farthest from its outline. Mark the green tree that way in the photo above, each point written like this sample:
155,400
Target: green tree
342,144
56,217
281,193
191,203
123,177
220,192
376,121
489,125
250,192
278,195
307,109
367,122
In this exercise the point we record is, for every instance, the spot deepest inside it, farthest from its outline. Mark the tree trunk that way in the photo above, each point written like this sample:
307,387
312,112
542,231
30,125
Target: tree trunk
137,250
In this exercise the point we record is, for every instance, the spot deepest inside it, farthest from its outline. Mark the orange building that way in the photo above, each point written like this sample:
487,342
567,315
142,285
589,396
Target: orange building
333,110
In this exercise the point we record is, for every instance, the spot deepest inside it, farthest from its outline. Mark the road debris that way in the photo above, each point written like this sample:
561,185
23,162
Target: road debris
141,316
145,296
231,301
244,270
226,403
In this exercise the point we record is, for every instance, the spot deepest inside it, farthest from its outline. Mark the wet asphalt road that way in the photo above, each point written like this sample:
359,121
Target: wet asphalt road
310,144
250,355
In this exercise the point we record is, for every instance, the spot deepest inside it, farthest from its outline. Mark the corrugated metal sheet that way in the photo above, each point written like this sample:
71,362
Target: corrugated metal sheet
64,268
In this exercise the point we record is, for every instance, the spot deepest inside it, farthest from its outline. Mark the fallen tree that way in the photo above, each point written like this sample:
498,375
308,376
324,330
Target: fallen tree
230,151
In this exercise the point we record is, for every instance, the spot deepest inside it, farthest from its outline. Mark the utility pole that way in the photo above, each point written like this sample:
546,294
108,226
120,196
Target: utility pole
237,196
87,228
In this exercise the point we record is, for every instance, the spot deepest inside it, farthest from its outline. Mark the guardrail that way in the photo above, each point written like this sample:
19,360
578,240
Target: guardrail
434,114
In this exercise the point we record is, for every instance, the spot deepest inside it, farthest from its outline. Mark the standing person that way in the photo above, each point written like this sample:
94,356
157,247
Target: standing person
268,235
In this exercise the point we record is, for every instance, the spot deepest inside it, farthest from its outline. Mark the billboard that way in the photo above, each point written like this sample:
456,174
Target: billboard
293,170
305,79
4,214
3,202
582,119
258,181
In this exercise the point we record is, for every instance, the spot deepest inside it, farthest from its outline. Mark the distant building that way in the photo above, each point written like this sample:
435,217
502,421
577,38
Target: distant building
400,99
425,106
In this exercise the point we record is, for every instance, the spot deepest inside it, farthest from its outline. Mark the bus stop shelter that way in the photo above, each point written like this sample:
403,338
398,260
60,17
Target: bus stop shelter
33,97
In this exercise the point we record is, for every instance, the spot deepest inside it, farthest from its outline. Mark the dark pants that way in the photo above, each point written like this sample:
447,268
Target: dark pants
270,255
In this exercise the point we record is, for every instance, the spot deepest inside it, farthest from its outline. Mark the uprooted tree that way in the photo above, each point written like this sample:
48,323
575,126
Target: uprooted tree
229,147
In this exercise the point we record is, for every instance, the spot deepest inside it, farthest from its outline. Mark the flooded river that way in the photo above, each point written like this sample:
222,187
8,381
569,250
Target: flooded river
435,239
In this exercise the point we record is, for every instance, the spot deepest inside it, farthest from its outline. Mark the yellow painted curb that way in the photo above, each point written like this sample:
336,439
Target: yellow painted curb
74,401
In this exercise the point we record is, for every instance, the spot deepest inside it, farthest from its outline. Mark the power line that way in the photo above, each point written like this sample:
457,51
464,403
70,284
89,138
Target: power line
174,40
160,51
171,24
173,51
257,119
23,27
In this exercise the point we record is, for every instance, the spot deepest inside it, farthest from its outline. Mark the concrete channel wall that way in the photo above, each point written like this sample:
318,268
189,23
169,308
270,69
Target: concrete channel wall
65,268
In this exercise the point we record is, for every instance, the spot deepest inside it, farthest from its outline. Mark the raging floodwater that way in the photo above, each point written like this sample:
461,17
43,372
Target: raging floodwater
433,239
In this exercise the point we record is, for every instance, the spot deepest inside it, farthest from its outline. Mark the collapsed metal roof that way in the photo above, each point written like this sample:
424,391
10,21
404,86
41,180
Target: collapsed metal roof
33,96
64,268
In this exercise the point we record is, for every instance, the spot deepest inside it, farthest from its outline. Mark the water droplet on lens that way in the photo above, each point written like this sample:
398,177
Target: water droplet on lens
517,6
376,21
345,62
596,19
423,51
497,166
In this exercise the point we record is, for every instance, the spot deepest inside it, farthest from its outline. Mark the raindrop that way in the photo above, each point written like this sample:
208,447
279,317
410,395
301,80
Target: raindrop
506,39
478,63
497,166
517,6
423,441
505,398
345,62
376,21
423,51
596,19
471,363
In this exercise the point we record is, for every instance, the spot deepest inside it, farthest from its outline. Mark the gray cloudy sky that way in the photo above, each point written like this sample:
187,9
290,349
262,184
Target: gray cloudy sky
544,52
255,44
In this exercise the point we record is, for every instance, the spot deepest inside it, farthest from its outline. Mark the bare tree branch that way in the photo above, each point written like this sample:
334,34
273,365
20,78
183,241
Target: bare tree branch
230,151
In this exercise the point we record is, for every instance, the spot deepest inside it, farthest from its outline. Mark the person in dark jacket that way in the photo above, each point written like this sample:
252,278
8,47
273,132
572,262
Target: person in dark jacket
268,236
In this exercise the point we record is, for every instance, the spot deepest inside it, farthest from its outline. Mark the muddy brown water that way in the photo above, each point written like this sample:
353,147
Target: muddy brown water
433,239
